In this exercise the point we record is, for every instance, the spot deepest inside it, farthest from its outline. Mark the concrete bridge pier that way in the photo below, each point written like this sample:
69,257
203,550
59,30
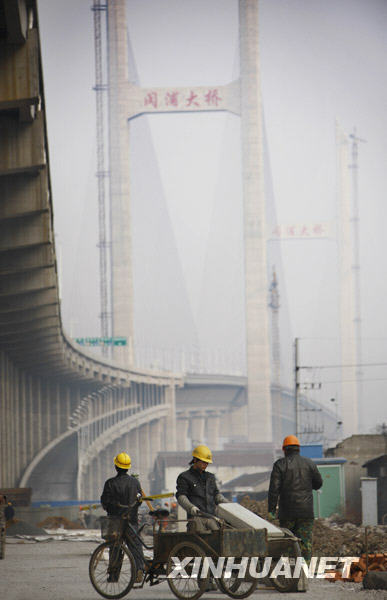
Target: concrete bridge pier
107,468
182,425
98,474
213,429
155,433
132,448
144,450
235,423
198,423
169,440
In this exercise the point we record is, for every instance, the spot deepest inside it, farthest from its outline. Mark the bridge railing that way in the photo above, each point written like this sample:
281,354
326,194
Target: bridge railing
221,361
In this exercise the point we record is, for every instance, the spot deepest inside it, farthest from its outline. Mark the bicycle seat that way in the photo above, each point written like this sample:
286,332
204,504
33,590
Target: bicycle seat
159,513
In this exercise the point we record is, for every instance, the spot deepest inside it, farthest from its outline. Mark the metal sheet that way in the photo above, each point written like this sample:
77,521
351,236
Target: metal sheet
243,542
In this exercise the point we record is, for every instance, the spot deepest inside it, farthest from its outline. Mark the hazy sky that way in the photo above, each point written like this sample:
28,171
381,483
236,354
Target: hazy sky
321,60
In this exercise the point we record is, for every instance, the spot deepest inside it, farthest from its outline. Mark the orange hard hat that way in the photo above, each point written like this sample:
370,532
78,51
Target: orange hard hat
290,440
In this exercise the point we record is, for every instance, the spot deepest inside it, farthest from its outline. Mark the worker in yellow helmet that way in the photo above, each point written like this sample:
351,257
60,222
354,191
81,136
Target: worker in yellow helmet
197,491
292,482
124,489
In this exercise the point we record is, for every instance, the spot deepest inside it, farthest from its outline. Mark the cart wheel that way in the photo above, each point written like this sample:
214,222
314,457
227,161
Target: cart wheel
112,570
237,587
282,583
186,588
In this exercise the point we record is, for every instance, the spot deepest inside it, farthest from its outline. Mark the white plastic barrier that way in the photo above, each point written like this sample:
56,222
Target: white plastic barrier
240,517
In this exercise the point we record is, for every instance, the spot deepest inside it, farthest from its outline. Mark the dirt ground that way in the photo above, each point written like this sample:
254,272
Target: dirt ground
58,570
334,536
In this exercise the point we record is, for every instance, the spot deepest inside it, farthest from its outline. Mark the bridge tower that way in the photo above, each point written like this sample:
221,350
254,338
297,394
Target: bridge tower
256,284
242,97
120,221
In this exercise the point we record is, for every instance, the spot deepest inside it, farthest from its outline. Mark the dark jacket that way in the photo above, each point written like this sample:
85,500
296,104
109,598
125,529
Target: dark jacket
200,489
121,489
293,479
9,512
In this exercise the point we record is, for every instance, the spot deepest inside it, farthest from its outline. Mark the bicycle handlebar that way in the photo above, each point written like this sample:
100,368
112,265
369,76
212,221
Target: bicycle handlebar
208,516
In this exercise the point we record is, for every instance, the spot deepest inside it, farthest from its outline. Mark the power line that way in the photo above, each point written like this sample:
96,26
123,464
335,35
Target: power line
347,381
311,368
335,339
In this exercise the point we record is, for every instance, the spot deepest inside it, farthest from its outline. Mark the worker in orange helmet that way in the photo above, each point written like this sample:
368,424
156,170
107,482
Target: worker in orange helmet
292,482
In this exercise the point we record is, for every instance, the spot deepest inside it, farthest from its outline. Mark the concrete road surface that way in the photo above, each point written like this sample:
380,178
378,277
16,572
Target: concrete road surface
58,570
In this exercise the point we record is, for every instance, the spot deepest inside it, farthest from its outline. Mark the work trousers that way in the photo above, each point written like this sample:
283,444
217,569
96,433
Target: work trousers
202,525
303,529
135,547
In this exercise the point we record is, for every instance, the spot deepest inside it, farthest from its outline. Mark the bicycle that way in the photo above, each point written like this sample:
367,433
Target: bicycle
112,567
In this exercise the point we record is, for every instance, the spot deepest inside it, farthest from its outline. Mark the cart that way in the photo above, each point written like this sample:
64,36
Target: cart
184,559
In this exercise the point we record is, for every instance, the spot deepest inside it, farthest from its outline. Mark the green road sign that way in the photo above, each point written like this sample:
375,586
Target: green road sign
101,341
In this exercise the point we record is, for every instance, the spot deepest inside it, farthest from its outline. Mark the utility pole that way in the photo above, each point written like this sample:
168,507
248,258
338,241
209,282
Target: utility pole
348,346
276,358
356,265
275,337
296,385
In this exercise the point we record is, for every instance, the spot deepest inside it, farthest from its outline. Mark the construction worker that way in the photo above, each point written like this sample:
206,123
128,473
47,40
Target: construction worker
9,512
292,481
124,489
197,491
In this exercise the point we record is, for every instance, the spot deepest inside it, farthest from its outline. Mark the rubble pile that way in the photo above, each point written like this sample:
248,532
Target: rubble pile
59,523
334,537
16,527
358,570
257,507
331,539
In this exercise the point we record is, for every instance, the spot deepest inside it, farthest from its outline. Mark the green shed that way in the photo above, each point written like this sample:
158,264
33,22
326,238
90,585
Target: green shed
330,499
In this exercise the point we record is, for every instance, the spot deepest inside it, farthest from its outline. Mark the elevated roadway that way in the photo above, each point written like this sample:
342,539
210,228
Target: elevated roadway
57,402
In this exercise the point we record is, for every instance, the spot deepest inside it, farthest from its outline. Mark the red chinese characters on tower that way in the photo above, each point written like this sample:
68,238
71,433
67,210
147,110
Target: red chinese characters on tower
151,99
191,100
291,230
212,97
318,229
172,99
304,231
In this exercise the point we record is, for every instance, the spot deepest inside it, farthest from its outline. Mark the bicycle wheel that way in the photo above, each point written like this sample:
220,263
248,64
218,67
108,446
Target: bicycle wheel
281,582
112,570
237,587
186,588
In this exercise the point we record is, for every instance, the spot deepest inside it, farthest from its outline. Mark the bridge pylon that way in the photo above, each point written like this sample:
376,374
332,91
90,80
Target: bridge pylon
243,97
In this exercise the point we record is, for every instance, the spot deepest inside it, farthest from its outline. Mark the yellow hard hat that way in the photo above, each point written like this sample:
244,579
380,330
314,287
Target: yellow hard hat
290,440
202,453
123,461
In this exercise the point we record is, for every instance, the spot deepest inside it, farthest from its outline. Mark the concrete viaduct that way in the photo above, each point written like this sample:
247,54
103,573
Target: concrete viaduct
63,413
